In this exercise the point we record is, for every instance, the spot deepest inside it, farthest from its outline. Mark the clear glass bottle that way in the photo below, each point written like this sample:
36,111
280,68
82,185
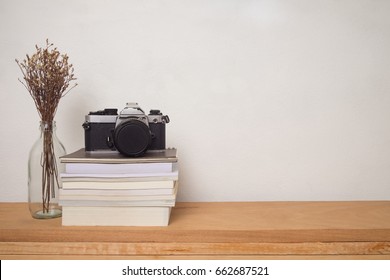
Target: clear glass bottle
44,170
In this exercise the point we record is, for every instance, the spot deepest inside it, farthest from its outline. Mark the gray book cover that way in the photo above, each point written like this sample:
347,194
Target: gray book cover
81,156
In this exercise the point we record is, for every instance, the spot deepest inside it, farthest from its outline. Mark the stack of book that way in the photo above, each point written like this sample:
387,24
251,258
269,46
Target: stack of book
109,189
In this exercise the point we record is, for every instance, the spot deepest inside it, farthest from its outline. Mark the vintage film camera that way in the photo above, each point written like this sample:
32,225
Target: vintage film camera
132,132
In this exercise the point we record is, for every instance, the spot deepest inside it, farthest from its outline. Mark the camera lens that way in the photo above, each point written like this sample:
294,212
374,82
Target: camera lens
132,137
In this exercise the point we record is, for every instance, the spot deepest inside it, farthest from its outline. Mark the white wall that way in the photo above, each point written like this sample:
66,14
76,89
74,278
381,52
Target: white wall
268,99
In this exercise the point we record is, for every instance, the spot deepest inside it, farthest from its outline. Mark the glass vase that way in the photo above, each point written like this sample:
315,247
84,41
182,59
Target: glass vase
44,170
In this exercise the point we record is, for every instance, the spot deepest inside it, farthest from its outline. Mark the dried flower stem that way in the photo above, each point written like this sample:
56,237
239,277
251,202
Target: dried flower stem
47,75
49,167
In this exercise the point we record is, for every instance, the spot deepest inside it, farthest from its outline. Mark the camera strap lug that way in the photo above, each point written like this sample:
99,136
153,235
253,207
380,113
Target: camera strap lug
86,125
166,119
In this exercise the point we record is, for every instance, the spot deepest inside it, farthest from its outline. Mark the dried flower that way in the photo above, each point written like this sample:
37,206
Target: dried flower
47,75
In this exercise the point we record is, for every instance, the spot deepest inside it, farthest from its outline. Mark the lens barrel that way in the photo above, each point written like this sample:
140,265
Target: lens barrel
132,137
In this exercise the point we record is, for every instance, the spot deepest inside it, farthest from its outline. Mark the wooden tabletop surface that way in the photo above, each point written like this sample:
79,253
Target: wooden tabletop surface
214,228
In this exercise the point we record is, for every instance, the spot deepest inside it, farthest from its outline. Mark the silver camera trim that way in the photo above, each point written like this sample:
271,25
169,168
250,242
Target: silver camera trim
100,118
132,111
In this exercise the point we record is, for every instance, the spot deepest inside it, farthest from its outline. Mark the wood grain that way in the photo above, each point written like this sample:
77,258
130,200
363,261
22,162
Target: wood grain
231,229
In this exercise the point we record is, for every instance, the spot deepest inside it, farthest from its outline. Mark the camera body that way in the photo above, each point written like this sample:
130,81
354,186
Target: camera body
131,132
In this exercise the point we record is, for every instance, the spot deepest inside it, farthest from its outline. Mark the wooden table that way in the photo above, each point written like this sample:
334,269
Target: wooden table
211,230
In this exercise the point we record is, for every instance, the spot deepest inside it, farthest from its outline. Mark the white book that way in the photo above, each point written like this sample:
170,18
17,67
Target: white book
117,198
174,175
117,185
120,168
147,203
115,216
115,192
